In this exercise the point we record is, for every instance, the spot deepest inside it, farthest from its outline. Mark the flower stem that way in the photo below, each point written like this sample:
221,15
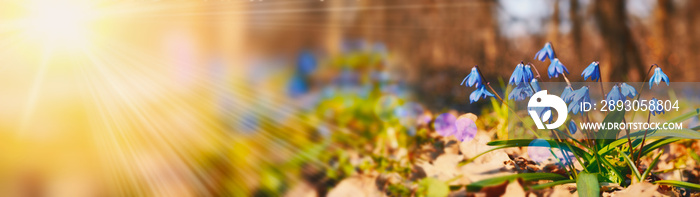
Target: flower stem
639,155
641,88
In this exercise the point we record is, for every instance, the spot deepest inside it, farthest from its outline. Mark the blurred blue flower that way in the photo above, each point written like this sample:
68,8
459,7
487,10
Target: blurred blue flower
518,75
556,68
579,96
520,92
473,78
479,93
572,127
615,94
297,86
659,109
657,77
592,71
628,90
567,94
306,62
546,52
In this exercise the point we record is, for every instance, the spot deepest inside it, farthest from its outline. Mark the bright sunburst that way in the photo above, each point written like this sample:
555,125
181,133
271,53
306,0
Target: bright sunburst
59,23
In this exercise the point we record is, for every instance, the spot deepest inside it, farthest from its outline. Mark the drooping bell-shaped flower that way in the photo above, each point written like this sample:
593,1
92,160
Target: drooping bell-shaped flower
658,109
592,71
546,52
567,94
615,94
579,96
527,70
479,93
517,76
657,77
628,90
556,68
520,92
473,79
535,85
572,127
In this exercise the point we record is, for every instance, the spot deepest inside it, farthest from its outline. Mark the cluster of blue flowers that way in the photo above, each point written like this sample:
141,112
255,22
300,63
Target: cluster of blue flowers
525,83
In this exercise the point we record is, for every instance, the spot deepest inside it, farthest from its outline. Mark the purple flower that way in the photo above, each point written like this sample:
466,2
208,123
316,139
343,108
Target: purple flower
445,124
466,129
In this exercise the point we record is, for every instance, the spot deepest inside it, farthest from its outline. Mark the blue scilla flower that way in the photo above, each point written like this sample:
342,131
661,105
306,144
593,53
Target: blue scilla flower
518,75
658,109
628,90
657,77
592,71
527,70
556,68
546,52
473,78
297,86
579,96
479,93
520,92
567,94
572,127
535,85
615,94
306,62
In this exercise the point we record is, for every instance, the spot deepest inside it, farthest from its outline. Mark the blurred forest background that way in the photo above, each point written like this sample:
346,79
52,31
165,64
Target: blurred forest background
439,41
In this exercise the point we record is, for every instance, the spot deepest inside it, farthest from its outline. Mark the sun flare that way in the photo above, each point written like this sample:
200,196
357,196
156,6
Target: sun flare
59,23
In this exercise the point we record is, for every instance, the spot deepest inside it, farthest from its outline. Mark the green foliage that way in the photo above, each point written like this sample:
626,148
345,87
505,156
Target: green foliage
587,185
477,186
678,184
432,187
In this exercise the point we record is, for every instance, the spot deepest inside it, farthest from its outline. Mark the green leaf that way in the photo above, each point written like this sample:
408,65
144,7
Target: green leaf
587,184
678,184
693,155
477,186
632,167
686,116
434,187
526,142
606,136
551,184
653,163
679,133
614,174
658,144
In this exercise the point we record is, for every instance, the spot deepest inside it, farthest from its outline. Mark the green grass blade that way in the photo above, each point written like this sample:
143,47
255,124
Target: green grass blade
587,185
678,184
477,186
634,169
651,166
551,184
552,143
658,144
618,177
686,116
693,155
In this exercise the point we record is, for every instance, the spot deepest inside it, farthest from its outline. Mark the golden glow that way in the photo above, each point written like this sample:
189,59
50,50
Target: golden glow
59,23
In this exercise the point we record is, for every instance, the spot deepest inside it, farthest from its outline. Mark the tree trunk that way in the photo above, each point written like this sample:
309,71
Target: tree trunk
622,54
